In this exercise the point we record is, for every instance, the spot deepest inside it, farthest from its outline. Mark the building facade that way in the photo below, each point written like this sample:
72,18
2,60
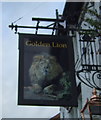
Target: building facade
87,54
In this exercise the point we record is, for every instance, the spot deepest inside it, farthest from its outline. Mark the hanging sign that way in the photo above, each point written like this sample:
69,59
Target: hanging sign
46,71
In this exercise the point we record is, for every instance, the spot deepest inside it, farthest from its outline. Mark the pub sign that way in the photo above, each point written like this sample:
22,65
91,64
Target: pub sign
46,71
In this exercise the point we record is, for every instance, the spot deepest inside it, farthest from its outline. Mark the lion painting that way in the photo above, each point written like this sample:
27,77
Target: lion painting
43,70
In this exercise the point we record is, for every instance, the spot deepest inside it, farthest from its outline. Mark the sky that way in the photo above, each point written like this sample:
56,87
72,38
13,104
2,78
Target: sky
11,12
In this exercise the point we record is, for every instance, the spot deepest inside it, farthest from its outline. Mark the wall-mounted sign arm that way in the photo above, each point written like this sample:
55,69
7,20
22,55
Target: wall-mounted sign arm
12,26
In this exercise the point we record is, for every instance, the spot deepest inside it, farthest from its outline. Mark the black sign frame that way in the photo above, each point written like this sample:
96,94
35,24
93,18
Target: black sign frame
61,47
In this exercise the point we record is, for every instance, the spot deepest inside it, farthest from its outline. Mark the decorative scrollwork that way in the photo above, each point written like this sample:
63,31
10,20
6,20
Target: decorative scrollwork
89,72
82,79
92,81
96,76
99,76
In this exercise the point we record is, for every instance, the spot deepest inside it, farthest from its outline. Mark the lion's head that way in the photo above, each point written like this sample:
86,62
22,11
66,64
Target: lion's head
44,69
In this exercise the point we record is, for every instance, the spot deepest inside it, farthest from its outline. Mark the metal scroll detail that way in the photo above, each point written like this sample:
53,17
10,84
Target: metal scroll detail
97,76
91,79
89,71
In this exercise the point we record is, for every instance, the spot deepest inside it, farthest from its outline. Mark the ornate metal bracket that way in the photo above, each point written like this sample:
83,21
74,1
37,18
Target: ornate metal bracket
90,70
91,79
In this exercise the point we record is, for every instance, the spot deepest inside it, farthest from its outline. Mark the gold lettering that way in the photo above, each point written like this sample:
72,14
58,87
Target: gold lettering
36,44
59,45
42,44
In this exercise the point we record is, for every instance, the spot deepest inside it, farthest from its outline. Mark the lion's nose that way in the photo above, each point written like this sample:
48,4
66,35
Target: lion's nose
46,70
